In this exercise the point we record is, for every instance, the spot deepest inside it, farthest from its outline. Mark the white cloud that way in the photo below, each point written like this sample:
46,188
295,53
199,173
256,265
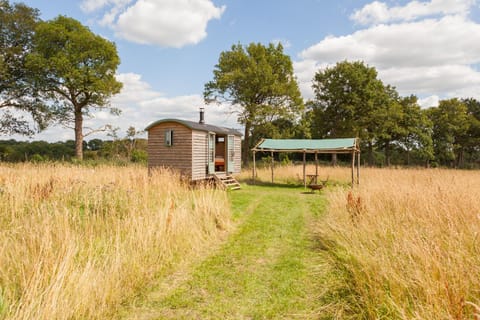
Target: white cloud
429,57
430,101
305,70
378,12
439,80
168,23
449,40
141,105
93,5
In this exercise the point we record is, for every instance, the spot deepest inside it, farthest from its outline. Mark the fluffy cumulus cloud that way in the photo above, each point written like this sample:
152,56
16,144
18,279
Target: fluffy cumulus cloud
167,23
379,12
141,105
434,56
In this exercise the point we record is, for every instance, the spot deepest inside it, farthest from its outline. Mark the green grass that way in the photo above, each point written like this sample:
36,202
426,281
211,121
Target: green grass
272,267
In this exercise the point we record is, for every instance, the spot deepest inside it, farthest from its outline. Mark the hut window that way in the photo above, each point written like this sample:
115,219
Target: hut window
169,137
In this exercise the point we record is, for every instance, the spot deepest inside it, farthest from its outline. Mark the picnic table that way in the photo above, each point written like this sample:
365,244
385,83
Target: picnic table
312,178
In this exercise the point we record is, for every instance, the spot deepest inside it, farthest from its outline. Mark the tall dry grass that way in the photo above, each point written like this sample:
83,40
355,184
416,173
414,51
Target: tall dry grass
409,242
75,243
293,174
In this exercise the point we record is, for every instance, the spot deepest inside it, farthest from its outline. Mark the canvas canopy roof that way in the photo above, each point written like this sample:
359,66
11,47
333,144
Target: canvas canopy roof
333,146
344,145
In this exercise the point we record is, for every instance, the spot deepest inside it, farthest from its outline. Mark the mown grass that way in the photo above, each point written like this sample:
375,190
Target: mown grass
78,242
266,270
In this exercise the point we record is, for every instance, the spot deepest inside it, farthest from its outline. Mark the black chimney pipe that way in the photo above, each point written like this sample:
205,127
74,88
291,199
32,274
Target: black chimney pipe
202,116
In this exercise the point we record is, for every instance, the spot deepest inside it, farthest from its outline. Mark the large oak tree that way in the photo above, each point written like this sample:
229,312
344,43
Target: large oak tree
17,94
75,70
259,83
350,101
451,122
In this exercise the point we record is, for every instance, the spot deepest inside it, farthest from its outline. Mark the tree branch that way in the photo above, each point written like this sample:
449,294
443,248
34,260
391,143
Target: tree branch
101,129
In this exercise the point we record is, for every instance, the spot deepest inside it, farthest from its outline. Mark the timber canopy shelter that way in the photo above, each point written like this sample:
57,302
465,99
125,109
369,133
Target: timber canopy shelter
315,146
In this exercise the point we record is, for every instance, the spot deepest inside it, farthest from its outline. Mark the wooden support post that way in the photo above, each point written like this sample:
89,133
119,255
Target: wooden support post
304,173
254,168
316,167
358,167
353,168
273,164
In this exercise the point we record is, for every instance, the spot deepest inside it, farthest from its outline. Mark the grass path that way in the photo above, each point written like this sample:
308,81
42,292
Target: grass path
266,270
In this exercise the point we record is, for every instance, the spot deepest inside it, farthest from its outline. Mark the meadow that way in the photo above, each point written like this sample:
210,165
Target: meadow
404,244
78,242
81,242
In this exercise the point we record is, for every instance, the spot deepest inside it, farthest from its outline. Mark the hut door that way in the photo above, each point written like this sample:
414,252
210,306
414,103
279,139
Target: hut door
230,158
211,153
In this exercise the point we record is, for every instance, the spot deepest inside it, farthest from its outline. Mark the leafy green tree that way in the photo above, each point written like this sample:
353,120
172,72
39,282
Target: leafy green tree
259,83
281,129
350,102
75,69
415,130
450,124
17,95
407,127
139,156
390,129
94,144
471,140
130,140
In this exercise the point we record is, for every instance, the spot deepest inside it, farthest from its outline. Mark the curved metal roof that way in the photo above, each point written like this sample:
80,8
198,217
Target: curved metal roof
197,126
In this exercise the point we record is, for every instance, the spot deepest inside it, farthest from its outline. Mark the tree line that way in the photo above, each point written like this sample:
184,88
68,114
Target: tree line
58,71
120,151
349,101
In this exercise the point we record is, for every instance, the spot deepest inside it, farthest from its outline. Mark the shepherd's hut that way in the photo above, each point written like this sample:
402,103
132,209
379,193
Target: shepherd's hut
197,150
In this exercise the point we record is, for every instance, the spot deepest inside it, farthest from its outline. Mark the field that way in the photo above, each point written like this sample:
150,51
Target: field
76,242
84,243
405,243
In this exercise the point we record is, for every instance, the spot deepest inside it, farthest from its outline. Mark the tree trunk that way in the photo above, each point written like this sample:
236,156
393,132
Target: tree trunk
460,158
78,133
334,159
387,153
246,144
370,154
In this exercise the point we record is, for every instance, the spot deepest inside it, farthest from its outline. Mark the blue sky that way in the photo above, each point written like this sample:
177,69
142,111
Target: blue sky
168,48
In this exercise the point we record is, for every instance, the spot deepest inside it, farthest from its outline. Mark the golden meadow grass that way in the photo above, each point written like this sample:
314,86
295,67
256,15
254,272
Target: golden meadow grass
412,241
77,242
293,174
407,240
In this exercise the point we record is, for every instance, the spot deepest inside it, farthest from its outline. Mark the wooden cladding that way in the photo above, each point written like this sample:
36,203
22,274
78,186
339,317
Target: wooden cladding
179,147
178,155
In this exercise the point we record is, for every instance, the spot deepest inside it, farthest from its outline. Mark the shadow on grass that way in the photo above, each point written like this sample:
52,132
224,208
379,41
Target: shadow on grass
279,185
269,184
293,185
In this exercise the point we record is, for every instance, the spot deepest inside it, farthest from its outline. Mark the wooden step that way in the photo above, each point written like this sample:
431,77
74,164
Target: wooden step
227,182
